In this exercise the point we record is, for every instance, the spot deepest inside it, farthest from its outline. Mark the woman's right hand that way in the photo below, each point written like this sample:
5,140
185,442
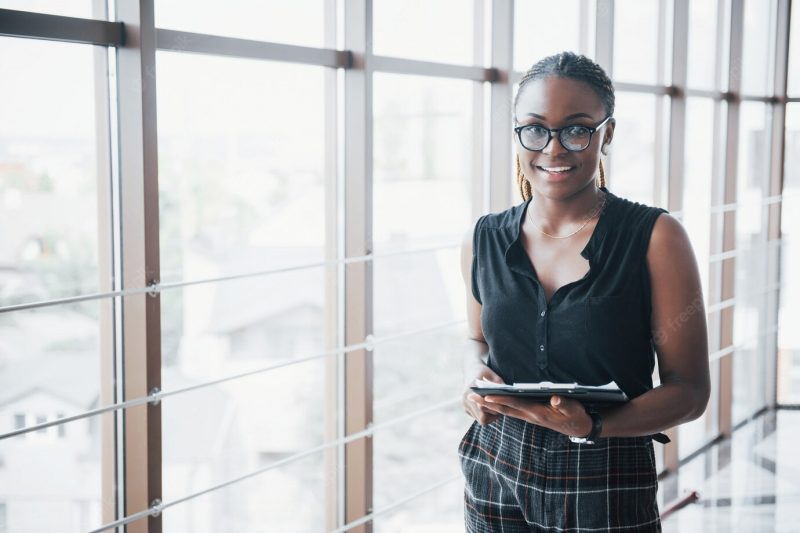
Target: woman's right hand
472,401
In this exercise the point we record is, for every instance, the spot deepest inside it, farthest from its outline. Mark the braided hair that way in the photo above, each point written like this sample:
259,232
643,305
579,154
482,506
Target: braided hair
576,67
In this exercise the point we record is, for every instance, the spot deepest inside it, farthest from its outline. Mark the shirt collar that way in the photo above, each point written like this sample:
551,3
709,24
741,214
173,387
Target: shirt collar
516,257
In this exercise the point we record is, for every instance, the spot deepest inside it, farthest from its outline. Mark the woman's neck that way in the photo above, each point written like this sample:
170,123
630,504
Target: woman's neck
556,215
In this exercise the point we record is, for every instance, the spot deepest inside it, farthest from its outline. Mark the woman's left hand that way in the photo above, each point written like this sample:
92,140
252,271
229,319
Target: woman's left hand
564,415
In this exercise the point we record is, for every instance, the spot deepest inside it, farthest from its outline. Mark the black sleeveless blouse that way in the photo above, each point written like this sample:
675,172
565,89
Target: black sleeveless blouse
593,330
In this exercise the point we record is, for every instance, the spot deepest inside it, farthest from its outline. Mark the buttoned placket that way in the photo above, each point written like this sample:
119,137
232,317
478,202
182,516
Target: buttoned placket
541,327
545,308
516,257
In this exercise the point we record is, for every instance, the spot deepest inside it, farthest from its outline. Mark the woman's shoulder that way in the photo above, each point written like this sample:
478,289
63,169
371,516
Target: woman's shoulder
628,207
635,215
506,219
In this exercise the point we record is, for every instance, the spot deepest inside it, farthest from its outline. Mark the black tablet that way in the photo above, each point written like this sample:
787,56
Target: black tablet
583,394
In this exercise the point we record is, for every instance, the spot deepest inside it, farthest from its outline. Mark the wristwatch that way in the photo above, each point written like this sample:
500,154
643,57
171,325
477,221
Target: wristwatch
597,426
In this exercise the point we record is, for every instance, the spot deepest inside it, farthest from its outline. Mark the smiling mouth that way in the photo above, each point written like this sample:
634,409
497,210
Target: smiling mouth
555,170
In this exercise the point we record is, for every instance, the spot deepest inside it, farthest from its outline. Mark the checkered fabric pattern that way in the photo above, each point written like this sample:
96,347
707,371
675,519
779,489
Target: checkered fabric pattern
521,477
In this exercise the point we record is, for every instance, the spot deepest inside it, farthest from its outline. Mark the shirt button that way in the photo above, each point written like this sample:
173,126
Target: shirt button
541,314
541,347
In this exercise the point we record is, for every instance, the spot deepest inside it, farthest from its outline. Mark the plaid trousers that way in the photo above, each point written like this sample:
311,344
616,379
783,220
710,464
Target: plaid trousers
522,477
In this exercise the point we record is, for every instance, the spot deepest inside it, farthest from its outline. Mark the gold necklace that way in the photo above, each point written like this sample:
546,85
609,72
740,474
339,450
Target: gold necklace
598,211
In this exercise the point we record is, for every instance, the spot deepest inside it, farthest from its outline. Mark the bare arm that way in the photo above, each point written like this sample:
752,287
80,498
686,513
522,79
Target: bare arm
476,346
474,365
680,336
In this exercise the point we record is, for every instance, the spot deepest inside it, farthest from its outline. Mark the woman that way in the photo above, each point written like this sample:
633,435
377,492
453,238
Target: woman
575,284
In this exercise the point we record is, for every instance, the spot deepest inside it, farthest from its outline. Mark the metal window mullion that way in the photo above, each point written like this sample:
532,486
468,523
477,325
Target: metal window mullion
25,24
672,189
200,43
331,176
358,219
756,98
604,51
400,65
586,35
604,35
677,131
501,168
704,93
715,220
775,188
729,192
109,471
116,285
658,88
480,119
141,328
662,126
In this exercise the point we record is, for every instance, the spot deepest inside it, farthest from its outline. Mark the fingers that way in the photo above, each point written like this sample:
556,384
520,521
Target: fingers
567,407
524,408
560,414
478,410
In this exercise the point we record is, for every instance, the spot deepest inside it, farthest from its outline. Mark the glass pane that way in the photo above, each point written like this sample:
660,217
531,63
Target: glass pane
241,157
48,164
751,276
757,47
753,172
699,149
217,433
50,479
400,386
405,467
702,44
789,315
516,196
636,41
436,295
299,22
724,43
633,148
422,164
429,30
252,321
73,8
422,179
697,221
534,40
794,52
290,497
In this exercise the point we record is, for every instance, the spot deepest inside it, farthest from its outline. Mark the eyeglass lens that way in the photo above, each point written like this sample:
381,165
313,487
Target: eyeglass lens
572,137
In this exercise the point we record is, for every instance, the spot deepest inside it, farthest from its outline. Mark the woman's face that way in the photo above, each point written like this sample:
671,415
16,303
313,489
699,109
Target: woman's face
555,102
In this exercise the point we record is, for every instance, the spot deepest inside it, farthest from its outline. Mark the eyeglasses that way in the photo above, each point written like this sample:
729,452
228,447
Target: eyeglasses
535,137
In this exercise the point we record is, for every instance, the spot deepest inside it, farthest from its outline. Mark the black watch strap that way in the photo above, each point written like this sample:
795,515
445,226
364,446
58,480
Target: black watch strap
597,425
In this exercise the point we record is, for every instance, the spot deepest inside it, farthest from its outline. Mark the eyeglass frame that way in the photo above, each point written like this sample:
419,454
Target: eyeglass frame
592,130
